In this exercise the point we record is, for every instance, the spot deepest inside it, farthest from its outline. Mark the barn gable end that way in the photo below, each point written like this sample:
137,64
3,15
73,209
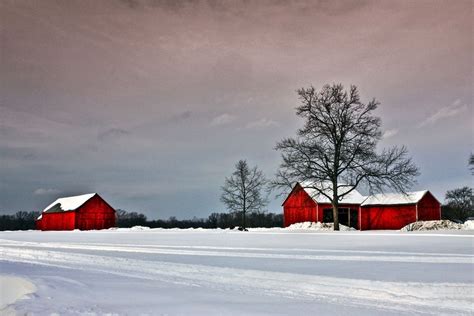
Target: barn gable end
299,207
96,213
429,208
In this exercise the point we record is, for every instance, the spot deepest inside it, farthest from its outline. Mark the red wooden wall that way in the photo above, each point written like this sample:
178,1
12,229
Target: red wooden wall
58,221
298,207
387,216
95,214
429,209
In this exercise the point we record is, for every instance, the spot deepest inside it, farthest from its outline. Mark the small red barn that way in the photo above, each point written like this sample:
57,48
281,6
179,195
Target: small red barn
84,212
379,211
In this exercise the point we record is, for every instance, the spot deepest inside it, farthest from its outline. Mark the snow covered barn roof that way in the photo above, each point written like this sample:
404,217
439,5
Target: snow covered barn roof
353,197
394,198
69,203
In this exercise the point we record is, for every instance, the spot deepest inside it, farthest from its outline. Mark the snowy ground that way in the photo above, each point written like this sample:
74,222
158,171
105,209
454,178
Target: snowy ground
230,272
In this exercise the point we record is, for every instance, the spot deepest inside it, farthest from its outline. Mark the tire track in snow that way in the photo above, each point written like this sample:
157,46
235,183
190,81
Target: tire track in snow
417,297
214,252
373,252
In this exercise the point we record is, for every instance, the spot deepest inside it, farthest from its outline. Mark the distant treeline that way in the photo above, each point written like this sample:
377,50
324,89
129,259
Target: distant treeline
215,220
455,214
18,221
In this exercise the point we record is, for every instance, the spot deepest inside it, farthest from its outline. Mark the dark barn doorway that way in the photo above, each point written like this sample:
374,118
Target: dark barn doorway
347,216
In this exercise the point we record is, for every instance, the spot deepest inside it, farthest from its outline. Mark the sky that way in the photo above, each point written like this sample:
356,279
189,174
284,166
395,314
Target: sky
151,103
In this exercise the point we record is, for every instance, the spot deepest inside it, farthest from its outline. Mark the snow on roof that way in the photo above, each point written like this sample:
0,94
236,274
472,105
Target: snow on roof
354,197
394,198
67,203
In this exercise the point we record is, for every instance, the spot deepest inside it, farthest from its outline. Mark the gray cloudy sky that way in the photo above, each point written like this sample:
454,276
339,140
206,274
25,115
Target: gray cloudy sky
150,103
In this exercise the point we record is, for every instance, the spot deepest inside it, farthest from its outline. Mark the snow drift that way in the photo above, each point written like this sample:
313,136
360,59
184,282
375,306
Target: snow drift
317,226
12,289
437,225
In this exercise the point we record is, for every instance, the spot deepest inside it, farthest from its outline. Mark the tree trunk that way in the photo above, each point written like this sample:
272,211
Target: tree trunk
335,214
335,205
244,211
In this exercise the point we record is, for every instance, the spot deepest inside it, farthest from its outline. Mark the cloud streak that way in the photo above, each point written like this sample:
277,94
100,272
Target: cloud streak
112,133
46,191
261,124
455,109
390,133
223,119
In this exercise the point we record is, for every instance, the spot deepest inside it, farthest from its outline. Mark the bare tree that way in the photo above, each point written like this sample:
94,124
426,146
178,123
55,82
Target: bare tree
471,163
242,192
335,151
461,202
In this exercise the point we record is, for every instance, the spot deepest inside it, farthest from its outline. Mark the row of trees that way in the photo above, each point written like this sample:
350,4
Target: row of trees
334,153
18,221
459,204
215,220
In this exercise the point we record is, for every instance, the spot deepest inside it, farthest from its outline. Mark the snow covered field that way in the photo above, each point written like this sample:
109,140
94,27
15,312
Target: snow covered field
229,272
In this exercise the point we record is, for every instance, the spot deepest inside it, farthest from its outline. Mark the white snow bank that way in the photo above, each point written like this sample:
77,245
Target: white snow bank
140,228
134,228
317,226
12,289
432,225
468,225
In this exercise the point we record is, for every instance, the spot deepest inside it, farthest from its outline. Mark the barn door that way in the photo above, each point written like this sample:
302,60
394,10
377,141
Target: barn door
354,218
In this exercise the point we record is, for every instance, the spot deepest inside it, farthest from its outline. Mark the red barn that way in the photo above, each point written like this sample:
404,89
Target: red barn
380,211
84,212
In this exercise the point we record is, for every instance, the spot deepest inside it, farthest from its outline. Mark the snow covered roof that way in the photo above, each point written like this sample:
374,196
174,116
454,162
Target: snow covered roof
69,203
354,197
394,198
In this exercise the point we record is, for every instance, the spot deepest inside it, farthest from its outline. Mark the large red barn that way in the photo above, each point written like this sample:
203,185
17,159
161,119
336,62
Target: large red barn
380,211
84,212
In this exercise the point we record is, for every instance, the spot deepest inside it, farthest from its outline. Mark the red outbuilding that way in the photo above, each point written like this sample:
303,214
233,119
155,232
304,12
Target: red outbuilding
84,212
380,211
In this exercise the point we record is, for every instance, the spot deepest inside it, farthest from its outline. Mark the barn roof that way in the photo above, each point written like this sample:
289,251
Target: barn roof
69,203
394,198
354,197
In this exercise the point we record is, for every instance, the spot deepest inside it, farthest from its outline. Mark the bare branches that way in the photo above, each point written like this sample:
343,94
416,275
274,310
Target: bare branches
337,145
242,192
471,163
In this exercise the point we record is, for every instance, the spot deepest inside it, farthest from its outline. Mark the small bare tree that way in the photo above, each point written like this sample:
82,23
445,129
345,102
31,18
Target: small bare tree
242,192
335,151
471,163
461,202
